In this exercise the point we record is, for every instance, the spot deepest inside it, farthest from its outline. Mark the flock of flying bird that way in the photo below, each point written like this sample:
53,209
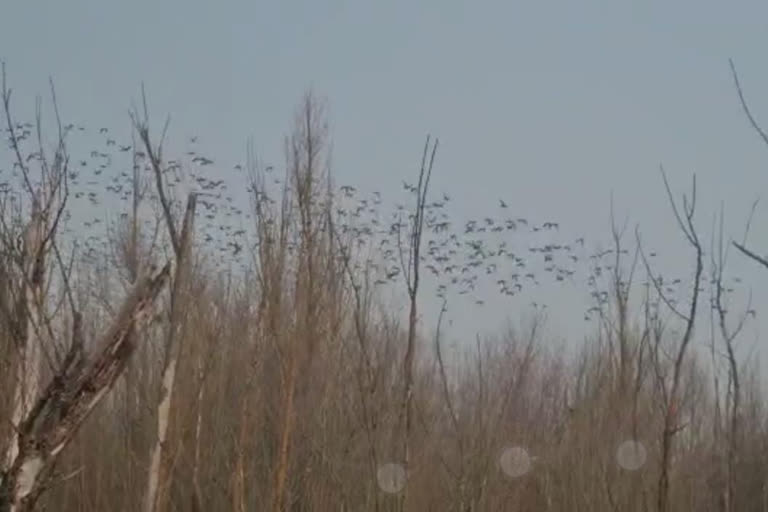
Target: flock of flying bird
502,250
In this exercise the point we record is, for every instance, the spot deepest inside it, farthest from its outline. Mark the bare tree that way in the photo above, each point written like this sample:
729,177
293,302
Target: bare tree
365,374
45,422
670,388
410,268
297,278
288,383
728,334
181,243
458,474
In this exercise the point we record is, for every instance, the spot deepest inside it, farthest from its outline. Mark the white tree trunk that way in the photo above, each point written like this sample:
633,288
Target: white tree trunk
66,402
163,417
28,316
173,349
27,382
198,494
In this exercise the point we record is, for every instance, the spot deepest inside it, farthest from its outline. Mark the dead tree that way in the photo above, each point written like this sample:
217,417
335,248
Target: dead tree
71,396
181,243
27,241
46,418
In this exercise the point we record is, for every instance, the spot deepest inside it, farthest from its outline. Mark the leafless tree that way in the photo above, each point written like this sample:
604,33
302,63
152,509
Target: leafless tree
46,418
670,388
729,334
410,266
181,242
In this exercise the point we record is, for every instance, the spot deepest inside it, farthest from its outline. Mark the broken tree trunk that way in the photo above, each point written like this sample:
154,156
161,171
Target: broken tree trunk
158,467
70,397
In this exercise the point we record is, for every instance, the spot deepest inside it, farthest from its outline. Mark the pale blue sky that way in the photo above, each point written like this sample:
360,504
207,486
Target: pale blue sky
550,105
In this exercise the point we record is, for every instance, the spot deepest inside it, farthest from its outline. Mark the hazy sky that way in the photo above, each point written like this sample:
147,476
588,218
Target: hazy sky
550,105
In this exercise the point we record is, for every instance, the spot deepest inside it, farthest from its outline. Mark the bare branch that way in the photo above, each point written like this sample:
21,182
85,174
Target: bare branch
750,254
155,158
744,105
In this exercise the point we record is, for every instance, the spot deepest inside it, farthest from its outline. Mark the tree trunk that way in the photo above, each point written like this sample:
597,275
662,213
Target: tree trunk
70,397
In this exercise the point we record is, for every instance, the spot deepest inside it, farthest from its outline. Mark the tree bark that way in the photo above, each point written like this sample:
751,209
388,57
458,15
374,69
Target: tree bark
70,397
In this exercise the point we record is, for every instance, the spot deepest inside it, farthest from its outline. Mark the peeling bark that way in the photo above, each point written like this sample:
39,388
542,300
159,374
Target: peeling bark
70,397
